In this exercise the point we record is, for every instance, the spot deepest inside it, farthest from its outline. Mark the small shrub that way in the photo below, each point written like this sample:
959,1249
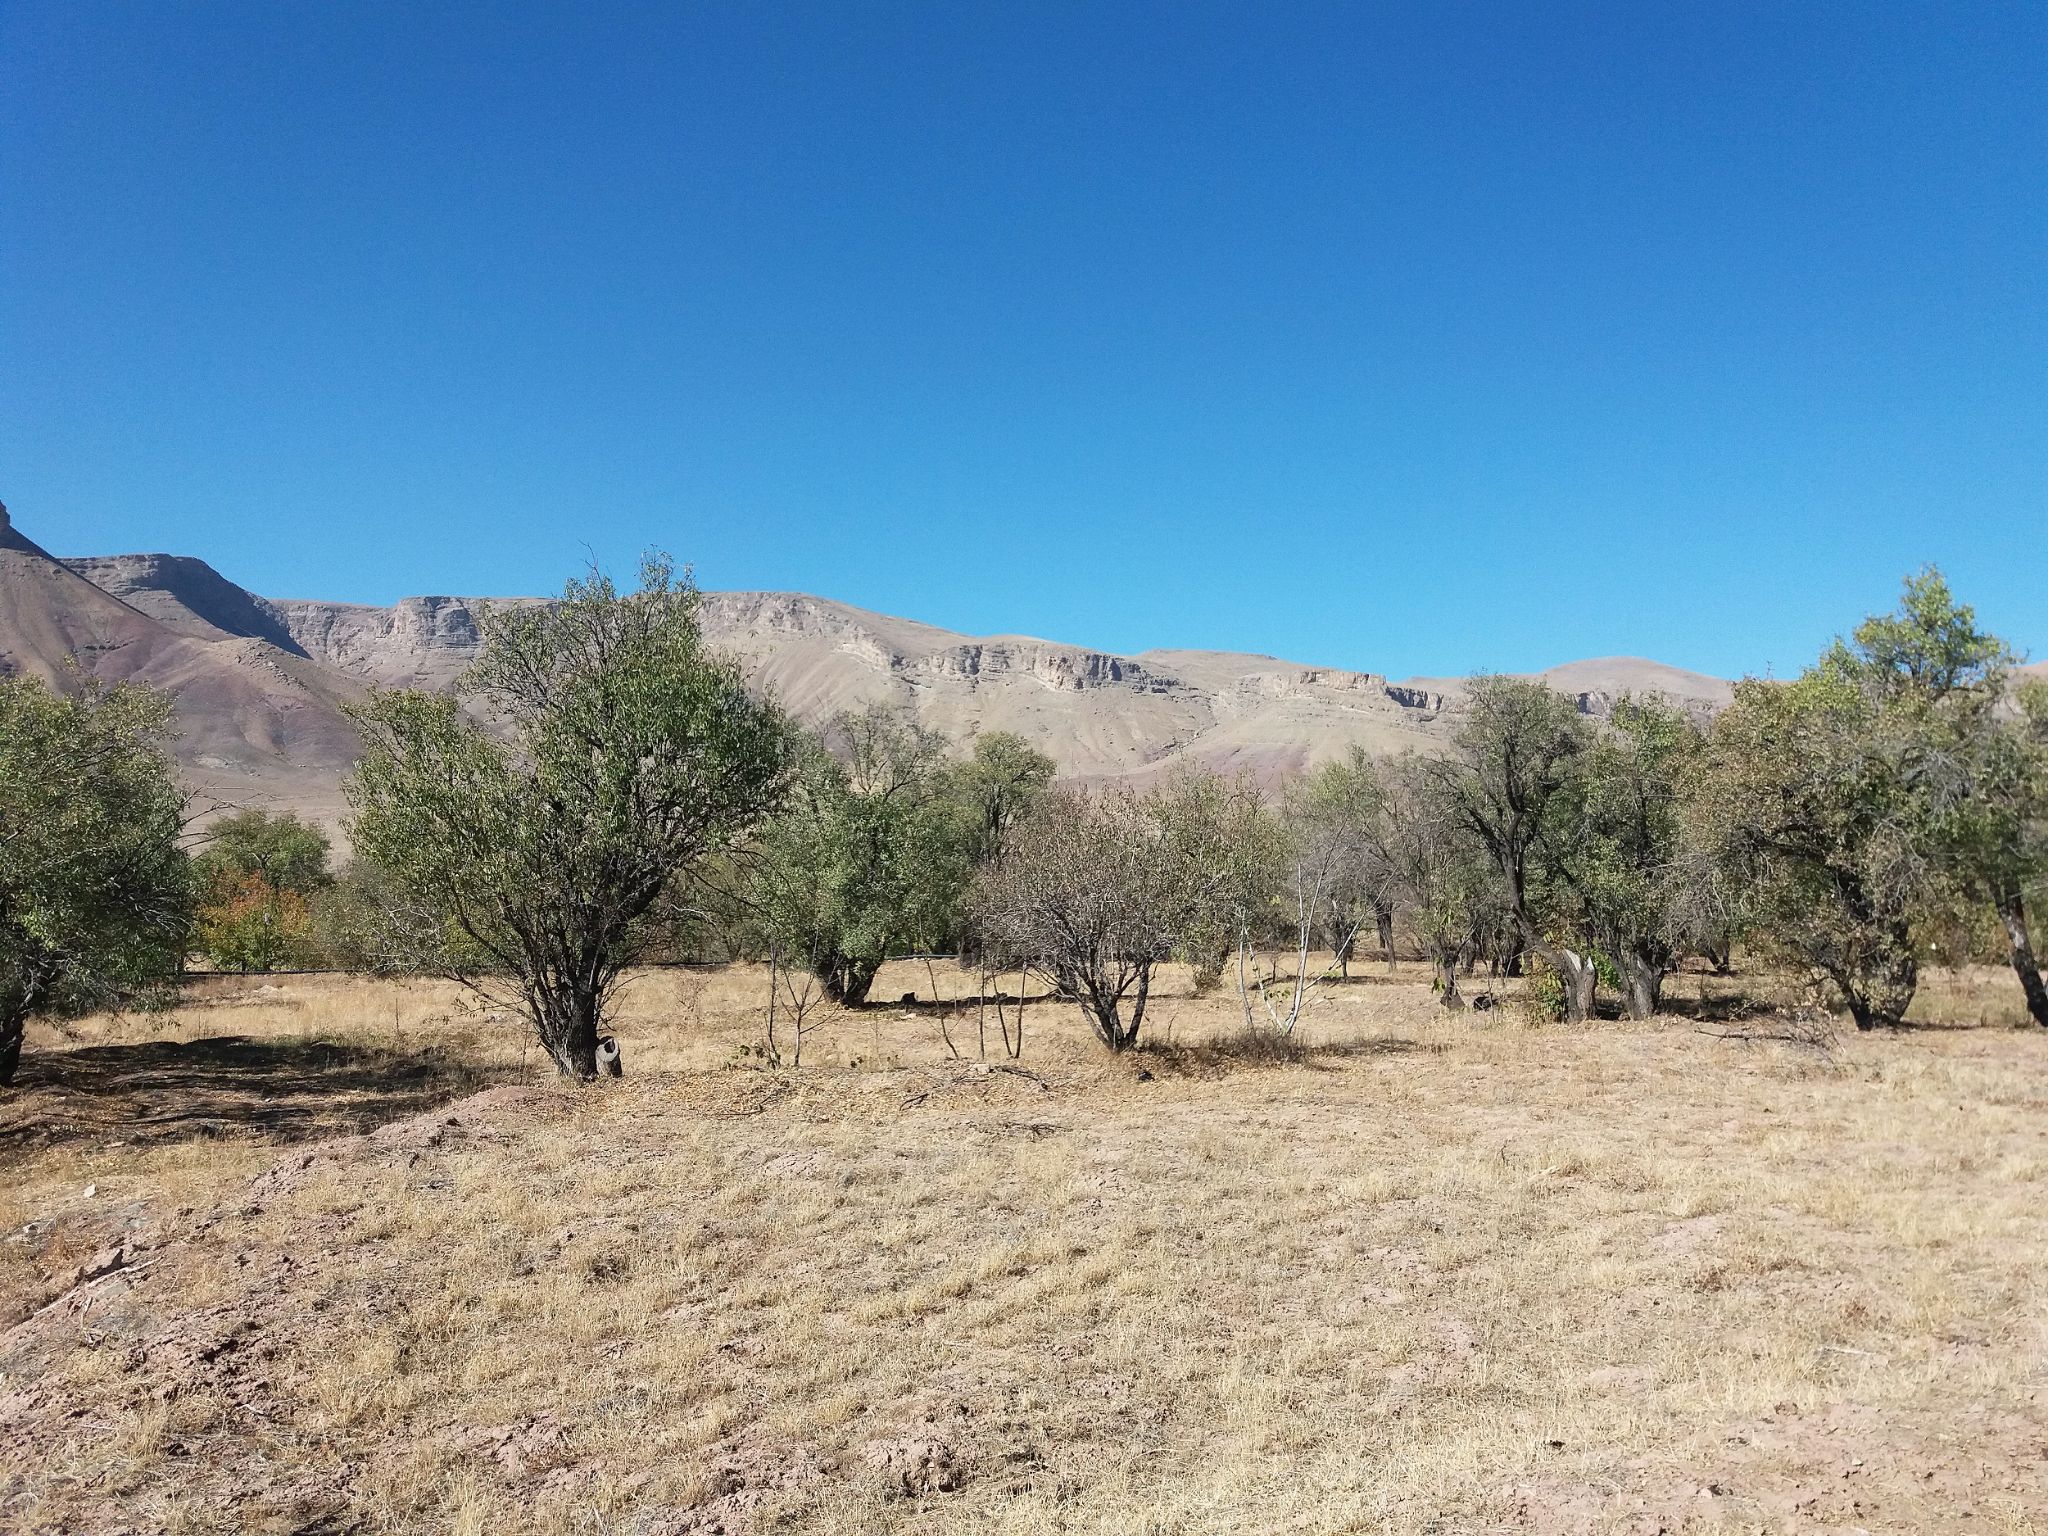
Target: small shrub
1543,996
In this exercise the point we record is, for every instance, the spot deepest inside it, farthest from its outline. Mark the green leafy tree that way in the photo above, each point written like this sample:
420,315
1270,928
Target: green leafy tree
1991,820
1511,783
869,857
994,787
1800,800
1848,803
1616,863
287,854
359,921
1973,750
1223,854
1926,650
257,876
627,758
95,889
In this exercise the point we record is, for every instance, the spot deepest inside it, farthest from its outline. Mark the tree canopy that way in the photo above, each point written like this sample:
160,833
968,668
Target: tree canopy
94,885
622,756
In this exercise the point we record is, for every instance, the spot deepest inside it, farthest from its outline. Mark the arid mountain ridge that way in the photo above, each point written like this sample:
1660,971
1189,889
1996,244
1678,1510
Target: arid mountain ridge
260,682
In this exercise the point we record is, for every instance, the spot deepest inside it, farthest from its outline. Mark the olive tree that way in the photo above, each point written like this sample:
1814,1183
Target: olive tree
1509,782
95,890
622,758
1440,873
867,858
1801,798
1617,857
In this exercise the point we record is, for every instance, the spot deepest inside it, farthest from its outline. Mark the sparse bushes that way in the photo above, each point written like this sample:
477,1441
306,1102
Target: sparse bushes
1082,896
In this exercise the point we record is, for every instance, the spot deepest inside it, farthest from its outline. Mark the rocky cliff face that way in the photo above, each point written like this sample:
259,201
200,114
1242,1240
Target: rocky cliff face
260,681
187,596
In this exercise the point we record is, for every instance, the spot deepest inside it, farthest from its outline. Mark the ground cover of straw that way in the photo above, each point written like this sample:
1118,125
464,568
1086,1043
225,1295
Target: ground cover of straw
324,1254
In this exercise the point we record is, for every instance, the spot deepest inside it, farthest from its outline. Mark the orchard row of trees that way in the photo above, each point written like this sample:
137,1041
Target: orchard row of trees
1889,804
614,793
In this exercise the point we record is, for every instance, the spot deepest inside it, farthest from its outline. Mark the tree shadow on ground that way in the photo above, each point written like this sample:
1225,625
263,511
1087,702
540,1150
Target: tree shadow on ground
1729,1008
1411,971
1230,1052
164,1091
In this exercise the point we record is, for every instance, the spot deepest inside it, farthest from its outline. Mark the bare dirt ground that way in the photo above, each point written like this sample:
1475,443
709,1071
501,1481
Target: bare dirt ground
324,1255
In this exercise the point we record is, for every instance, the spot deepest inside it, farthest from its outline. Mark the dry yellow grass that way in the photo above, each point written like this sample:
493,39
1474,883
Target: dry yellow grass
1435,1275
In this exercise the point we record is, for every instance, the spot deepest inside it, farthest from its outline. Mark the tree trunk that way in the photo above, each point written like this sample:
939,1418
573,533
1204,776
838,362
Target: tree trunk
13,1025
27,983
1880,992
1581,981
847,982
1644,986
2012,911
1138,1006
1383,920
1447,983
569,1032
1346,942
1102,1006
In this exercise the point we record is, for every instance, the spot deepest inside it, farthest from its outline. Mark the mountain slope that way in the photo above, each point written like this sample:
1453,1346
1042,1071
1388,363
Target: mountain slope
260,681
258,724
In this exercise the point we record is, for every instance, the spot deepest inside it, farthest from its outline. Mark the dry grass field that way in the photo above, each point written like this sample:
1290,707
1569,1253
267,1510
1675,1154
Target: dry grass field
322,1255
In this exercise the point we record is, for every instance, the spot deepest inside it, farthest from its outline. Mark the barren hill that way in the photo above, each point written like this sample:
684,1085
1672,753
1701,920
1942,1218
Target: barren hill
260,680
260,724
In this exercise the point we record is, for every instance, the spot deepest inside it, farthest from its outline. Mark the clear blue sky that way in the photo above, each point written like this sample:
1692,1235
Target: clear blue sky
1415,338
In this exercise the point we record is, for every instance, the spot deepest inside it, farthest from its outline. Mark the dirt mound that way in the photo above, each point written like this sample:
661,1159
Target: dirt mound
466,1118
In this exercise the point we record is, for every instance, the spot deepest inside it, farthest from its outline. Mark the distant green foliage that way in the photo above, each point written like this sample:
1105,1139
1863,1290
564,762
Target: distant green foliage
287,854
1616,868
95,889
1512,787
257,875
869,857
994,788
